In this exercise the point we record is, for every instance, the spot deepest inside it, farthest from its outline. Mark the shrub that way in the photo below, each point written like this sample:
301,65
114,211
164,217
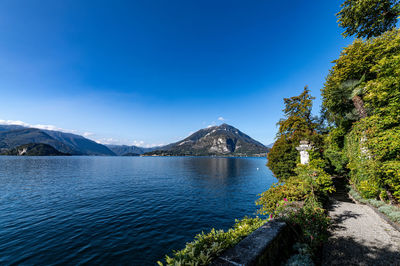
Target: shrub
391,211
300,260
315,179
293,190
395,216
376,203
333,150
387,209
313,222
207,246
311,182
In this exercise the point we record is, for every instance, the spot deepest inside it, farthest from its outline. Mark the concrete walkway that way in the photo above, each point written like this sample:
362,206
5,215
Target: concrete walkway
359,236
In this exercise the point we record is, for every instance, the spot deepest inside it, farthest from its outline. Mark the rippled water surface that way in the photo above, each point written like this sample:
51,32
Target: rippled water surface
119,210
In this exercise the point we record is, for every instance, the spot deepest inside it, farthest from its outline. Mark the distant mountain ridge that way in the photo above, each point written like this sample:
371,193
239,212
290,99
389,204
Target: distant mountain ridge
216,140
223,140
12,136
122,150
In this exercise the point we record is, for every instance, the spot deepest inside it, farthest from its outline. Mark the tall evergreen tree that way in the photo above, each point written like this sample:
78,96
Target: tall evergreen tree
298,124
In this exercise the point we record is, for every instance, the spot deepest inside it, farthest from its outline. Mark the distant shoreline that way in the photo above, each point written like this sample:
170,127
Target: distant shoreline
111,156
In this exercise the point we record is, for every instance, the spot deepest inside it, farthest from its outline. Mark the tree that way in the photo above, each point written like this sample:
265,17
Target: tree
298,115
368,18
298,124
344,90
361,97
282,158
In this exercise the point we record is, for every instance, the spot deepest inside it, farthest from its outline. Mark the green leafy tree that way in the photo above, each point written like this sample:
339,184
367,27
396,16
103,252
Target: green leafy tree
298,120
344,89
298,124
381,130
361,97
368,18
282,158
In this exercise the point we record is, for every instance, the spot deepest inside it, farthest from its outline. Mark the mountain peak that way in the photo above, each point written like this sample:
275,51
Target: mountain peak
225,125
216,140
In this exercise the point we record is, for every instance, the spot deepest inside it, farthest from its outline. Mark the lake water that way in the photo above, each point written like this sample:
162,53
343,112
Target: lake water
119,210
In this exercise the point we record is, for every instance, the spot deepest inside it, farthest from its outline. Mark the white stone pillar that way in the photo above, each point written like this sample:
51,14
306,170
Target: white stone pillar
304,147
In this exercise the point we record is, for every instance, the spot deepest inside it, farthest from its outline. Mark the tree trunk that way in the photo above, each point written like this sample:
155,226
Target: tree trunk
359,105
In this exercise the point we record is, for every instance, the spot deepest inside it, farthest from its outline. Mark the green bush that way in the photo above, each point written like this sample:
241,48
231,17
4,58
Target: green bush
311,181
293,190
333,150
355,195
387,209
391,211
282,158
395,216
207,246
376,203
313,222
315,180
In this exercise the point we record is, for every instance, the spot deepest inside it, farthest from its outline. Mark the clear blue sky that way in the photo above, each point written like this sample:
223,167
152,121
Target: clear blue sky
152,71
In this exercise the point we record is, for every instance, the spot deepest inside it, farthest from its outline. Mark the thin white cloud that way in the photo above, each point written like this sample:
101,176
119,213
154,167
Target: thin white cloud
141,143
40,126
87,134
138,143
154,145
90,135
108,141
213,124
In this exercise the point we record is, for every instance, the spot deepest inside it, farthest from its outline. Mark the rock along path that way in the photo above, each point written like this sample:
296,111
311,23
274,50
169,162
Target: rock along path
359,236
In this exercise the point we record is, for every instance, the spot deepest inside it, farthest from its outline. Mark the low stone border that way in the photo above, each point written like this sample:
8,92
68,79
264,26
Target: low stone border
382,215
268,245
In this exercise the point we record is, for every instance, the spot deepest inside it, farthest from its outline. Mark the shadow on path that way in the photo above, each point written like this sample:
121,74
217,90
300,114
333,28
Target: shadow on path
342,192
359,236
347,251
339,219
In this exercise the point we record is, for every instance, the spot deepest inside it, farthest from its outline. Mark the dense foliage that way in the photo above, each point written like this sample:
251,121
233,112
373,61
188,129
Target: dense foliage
368,18
369,147
357,62
298,196
312,223
298,202
310,182
282,157
297,125
207,246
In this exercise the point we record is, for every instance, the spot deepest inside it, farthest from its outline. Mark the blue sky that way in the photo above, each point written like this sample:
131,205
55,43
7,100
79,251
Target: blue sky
151,72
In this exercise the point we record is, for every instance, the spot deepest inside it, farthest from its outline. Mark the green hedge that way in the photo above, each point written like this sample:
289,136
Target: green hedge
207,246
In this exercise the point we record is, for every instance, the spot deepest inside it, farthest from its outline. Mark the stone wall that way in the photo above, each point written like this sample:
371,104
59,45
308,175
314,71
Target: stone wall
271,244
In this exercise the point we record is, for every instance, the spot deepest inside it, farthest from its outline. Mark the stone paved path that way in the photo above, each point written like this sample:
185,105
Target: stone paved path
360,236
